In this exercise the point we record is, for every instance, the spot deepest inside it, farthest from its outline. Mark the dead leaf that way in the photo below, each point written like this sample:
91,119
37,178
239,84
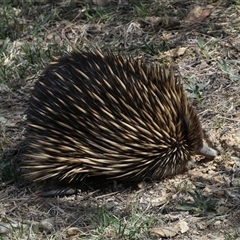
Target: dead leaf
164,232
181,51
159,200
173,53
181,226
198,14
202,225
72,231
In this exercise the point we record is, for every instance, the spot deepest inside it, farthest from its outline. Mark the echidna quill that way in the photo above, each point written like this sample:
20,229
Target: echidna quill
96,114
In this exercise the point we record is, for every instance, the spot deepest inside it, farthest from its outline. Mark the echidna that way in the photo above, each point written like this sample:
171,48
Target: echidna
96,114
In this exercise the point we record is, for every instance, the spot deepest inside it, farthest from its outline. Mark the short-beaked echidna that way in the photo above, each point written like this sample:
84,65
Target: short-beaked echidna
96,114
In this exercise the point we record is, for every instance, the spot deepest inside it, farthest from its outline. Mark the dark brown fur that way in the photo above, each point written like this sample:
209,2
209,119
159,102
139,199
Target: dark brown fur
96,114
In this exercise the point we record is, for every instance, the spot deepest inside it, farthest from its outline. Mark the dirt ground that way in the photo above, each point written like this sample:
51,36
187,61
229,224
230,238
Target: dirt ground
202,39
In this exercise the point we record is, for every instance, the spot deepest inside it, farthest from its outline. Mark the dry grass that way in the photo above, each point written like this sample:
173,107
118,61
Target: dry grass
201,204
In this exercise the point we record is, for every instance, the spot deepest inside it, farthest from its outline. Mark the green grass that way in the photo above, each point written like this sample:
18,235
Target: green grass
22,59
133,226
231,236
200,204
98,14
10,25
207,47
227,67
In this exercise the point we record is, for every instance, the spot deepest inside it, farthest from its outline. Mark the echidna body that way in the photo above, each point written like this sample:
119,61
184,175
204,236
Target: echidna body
96,114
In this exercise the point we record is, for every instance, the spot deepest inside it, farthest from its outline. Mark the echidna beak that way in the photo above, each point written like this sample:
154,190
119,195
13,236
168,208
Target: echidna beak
208,152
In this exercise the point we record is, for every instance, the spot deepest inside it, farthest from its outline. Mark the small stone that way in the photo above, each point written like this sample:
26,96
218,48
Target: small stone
73,231
47,225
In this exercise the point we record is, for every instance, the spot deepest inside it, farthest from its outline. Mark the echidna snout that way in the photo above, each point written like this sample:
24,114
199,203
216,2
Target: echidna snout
96,114
207,152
